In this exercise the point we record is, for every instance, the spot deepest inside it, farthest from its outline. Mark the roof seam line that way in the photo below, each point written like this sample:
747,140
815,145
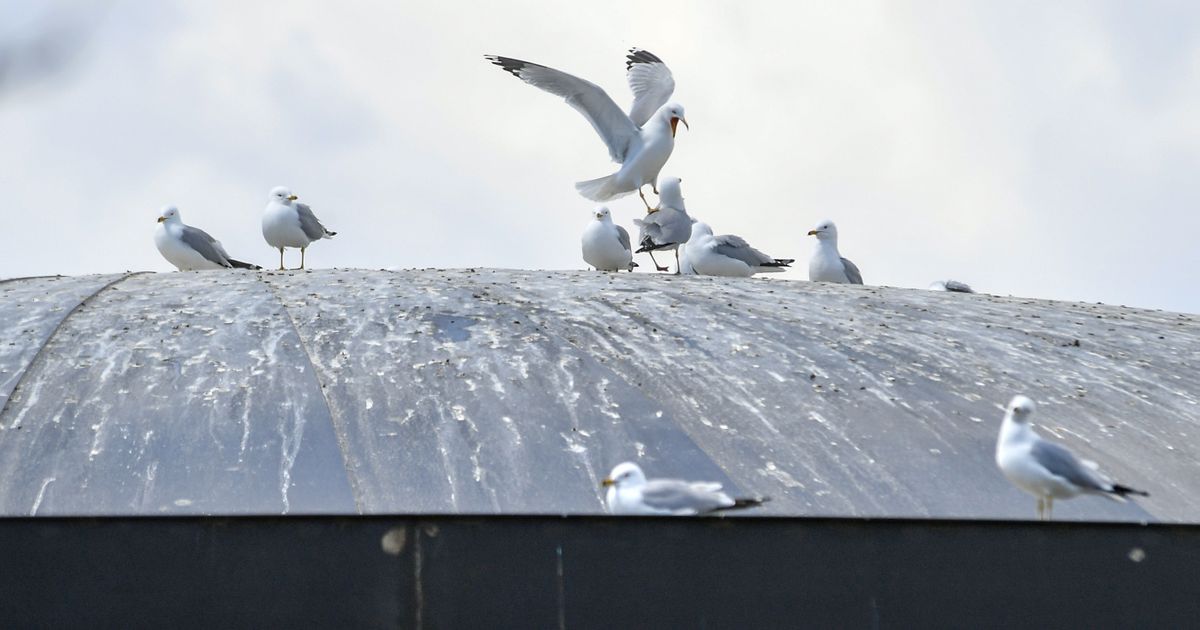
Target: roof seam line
339,427
39,356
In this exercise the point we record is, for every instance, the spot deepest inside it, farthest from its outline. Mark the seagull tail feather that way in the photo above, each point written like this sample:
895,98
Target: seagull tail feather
601,189
243,265
776,266
742,503
1121,491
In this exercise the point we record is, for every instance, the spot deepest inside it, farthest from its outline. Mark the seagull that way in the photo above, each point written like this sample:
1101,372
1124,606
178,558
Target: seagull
952,286
1045,469
640,142
727,255
826,264
629,492
666,227
606,245
289,224
190,248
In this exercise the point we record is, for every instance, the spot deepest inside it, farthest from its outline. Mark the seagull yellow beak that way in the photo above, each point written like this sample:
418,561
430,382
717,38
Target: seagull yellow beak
812,232
161,219
292,197
675,123
608,482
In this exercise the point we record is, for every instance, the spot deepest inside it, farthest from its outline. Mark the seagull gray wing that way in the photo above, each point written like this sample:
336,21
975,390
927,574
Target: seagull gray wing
955,286
650,81
619,133
676,226
736,247
683,497
623,236
852,272
1061,462
205,245
310,223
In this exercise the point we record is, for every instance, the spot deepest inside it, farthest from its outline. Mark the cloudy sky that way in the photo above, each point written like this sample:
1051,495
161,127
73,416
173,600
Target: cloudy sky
1036,149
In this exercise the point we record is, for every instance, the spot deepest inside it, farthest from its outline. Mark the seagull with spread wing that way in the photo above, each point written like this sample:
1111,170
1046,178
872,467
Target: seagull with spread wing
641,142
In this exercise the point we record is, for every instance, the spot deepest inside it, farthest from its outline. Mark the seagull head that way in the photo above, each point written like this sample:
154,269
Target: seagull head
602,214
669,193
824,231
169,214
699,229
626,474
282,195
673,112
1020,409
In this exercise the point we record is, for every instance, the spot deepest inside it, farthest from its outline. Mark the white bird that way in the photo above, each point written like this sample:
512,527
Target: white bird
727,255
286,223
952,286
1045,469
190,248
666,227
826,264
640,142
629,492
606,244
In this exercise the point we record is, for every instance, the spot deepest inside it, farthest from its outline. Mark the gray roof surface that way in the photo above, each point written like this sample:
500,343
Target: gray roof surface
463,391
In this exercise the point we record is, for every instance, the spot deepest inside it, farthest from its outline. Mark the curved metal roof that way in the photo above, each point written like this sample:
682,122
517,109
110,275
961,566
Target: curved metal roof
492,391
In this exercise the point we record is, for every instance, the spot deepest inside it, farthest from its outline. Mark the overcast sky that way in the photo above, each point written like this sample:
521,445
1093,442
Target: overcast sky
1029,148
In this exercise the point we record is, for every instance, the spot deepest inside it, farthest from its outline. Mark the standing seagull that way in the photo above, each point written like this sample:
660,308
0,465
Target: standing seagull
826,264
1045,469
289,224
727,255
190,248
606,245
666,227
640,142
629,492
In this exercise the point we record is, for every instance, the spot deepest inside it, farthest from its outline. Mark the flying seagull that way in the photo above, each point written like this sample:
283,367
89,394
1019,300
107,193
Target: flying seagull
666,227
190,248
727,255
640,142
606,245
826,264
629,492
286,223
1045,469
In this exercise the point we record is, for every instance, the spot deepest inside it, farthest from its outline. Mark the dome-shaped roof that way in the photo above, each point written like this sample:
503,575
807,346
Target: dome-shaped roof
516,391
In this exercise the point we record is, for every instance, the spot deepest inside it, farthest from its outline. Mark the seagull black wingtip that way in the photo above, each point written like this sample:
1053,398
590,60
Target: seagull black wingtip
637,55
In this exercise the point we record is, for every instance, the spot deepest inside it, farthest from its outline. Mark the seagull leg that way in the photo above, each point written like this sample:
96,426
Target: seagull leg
1041,510
281,259
677,269
1049,508
302,257
656,265
643,196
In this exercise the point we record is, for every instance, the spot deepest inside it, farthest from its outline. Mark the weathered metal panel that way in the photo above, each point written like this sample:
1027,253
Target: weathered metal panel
456,402
499,391
30,310
180,393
